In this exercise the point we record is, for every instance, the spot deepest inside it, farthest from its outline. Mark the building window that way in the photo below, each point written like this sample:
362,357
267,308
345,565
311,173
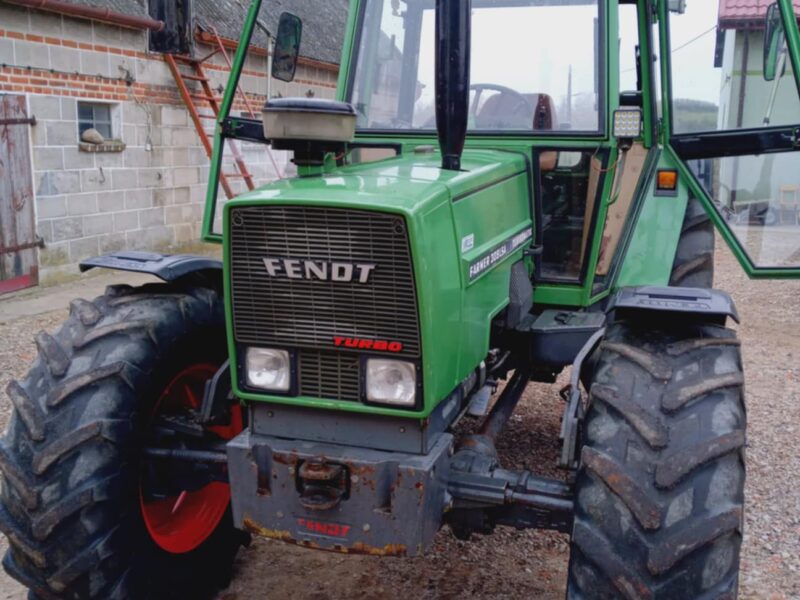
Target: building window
95,116
106,119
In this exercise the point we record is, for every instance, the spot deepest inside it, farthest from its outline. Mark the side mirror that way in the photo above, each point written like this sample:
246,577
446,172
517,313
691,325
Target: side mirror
287,47
773,44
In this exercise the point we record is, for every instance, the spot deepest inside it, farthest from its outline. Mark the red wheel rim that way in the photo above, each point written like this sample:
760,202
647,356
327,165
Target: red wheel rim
181,523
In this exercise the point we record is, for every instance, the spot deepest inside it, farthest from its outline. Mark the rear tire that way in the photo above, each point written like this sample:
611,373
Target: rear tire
71,457
660,488
694,258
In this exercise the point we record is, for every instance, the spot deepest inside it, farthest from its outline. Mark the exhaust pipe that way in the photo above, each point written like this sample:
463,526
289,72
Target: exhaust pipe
452,78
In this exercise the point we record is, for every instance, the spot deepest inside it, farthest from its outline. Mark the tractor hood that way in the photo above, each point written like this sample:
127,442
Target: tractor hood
403,184
465,230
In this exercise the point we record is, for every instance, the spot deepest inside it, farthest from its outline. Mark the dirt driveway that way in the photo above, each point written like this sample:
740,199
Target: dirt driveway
533,564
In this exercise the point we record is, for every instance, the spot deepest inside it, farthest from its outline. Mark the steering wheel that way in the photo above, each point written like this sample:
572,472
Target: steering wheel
516,110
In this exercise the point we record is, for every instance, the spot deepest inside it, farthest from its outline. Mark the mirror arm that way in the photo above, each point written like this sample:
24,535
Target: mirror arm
773,95
270,49
270,54
263,27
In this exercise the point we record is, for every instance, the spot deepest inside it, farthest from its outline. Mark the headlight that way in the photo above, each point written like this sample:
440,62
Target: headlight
391,382
268,369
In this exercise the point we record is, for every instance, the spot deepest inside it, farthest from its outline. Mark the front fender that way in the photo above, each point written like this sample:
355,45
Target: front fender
168,267
708,303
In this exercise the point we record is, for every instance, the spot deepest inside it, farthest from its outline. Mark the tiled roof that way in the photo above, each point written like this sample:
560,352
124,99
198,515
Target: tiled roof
129,7
323,20
733,12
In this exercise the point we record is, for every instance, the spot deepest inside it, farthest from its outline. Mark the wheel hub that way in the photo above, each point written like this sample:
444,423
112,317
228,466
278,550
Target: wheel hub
180,517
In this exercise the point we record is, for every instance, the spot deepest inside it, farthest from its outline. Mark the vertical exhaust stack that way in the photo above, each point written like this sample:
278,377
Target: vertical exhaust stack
452,78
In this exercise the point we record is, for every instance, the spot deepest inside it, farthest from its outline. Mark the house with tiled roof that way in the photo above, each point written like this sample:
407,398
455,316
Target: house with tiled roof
738,14
740,54
76,65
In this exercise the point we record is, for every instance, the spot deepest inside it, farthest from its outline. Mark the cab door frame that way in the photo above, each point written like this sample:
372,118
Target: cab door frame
720,144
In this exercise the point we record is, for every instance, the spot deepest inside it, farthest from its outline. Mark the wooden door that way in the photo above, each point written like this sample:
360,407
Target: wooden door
18,241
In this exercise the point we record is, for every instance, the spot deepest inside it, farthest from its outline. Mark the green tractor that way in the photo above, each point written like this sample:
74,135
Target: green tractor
503,189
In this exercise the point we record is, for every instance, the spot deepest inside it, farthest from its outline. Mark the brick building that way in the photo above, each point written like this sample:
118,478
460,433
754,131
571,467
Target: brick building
145,187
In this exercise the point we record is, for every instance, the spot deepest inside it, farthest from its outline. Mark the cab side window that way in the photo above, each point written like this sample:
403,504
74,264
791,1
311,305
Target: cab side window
569,183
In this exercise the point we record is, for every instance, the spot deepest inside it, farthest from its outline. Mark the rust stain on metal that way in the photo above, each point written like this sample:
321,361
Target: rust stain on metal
397,483
387,550
357,548
361,470
275,534
420,487
320,471
263,488
289,459
469,442
367,482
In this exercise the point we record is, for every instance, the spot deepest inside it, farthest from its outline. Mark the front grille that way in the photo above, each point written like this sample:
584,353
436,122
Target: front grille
329,375
306,314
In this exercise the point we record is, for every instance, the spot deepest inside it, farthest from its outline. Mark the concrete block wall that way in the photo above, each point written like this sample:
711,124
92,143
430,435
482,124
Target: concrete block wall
152,194
142,197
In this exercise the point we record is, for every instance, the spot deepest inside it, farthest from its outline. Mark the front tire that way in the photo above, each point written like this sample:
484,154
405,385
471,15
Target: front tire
660,487
72,455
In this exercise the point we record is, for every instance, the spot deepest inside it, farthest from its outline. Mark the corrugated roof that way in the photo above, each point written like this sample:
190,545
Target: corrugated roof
736,12
323,20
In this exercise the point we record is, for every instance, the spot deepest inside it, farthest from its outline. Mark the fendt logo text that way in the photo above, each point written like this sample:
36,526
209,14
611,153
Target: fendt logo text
293,268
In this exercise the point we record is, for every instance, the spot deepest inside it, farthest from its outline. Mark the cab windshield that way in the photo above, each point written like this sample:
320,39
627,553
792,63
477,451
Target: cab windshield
534,66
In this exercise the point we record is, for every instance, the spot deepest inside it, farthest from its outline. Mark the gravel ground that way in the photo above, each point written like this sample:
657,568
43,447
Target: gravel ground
531,563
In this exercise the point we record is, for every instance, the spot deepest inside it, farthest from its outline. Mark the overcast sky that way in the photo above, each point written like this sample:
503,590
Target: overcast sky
694,75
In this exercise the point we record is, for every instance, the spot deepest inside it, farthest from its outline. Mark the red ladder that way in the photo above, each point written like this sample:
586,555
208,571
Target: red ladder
206,95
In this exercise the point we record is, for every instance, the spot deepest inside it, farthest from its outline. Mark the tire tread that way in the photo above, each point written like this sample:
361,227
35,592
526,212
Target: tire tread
644,524
65,458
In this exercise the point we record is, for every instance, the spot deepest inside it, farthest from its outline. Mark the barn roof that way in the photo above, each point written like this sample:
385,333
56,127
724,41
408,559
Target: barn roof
129,7
738,13
323,21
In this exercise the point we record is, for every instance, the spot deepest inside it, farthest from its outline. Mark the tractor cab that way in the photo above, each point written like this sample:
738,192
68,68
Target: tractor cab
598,117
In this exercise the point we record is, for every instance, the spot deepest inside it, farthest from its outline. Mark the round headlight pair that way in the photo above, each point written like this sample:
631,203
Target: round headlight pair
388,381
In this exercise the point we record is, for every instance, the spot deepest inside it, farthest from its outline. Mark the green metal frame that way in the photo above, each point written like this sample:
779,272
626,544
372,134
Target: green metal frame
228,98
696,188
792,37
